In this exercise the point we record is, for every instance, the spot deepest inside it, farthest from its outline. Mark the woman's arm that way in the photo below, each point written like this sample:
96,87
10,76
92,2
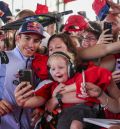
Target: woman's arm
108,62
110,101
62,88
99,50
66,98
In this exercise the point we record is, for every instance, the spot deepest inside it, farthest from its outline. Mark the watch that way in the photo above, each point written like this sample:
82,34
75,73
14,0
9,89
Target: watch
59,98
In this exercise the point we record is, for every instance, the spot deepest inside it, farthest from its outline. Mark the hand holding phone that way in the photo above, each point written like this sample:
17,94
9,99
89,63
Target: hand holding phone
26,75
108,25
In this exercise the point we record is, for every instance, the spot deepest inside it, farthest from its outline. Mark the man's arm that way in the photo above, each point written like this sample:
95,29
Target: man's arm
98,51
5,107
66,98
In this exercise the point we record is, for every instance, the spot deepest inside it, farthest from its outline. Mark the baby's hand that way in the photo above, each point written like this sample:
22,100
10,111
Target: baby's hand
59,88
68,88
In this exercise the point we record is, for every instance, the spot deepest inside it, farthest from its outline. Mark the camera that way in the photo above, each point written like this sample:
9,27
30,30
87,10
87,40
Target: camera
26,75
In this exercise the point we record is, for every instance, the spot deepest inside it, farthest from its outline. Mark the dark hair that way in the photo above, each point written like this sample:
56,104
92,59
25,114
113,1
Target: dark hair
94,28
66,39
70,46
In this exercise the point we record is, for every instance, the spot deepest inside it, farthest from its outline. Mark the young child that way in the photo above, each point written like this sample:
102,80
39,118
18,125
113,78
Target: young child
62,70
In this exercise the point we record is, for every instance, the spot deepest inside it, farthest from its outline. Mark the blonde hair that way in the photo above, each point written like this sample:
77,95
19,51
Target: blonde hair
65,56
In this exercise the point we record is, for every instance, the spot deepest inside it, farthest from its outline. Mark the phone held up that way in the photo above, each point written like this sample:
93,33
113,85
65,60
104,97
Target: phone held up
108,25
26,75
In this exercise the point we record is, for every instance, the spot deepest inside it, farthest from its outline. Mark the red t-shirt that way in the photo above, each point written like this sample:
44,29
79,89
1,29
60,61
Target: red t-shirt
47,90
117,56
39,66
96,75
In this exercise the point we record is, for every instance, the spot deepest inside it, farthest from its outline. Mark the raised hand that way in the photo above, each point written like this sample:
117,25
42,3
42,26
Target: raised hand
105,38
22,92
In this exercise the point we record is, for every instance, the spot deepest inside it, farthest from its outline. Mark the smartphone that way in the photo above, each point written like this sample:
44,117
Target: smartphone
4,11
26,75
108,25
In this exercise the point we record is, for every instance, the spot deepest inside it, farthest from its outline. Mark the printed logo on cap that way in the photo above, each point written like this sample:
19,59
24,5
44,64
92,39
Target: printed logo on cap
33,26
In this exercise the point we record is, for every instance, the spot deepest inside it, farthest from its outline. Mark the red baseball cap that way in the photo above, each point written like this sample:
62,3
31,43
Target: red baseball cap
75,23
41,9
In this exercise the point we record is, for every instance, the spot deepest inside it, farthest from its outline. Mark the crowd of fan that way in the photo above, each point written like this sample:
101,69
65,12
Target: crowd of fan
76,72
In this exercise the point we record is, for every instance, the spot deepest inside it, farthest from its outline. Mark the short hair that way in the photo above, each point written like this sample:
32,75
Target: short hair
95,28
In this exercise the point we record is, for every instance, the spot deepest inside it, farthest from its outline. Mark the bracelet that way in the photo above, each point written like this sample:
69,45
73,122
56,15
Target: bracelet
100,94
106,104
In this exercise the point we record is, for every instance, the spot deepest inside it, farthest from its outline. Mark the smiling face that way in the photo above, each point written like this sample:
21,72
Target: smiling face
57,44
89,40
28,43
58,68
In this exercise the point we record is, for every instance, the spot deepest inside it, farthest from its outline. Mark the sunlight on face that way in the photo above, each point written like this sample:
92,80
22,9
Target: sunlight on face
57,45
58,68
89,40
28,43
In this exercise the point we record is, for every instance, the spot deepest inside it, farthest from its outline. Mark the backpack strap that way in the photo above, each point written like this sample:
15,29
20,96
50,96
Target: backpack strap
4,58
